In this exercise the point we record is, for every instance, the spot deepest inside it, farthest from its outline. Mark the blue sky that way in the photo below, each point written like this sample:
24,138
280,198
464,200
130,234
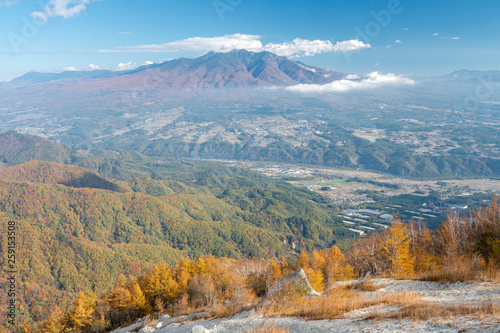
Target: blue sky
421,37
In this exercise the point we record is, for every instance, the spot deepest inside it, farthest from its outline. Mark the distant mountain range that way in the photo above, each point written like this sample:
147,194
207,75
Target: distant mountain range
238,68
467,75
34,77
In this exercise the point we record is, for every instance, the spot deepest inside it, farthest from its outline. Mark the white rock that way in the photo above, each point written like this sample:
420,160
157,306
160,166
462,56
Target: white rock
297,280
199,329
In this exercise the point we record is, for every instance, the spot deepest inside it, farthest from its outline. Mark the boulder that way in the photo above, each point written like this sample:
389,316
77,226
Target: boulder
297,280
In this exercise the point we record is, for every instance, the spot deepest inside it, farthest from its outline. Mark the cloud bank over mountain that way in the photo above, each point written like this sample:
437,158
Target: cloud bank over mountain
297,47
352,82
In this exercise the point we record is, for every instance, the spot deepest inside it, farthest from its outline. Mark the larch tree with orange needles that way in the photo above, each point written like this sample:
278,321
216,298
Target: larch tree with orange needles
336,266
397,248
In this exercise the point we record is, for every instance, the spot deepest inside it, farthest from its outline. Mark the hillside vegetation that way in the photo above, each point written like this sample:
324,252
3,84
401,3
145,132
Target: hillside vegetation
79,231
56,173
381,156
223,287
16,148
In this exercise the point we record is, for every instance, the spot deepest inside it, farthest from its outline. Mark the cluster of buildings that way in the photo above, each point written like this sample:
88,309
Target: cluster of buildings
362,221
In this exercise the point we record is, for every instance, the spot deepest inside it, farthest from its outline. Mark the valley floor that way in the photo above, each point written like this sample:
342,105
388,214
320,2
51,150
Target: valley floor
379,318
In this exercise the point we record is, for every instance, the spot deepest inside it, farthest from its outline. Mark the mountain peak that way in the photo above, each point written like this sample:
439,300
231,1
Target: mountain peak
242,51
236,68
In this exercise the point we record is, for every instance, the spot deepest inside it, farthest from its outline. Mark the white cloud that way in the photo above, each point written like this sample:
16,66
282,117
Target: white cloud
352,77
303,47
350,45
62,8
370,81
90,67
8,3
147,62
220,44
126,66
299,47
448,37
226,43
436,34
398,41
406,29
93,67
123,66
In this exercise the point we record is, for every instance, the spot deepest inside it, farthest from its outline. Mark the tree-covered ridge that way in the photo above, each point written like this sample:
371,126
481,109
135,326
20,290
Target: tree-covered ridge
56,173
109,217
381,156
17,148
139,157
226,223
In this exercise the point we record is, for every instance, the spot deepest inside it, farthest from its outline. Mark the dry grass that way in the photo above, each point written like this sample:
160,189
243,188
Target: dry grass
462,272
364,285
230,310
420,310
329,306
490,273
459,273
344,300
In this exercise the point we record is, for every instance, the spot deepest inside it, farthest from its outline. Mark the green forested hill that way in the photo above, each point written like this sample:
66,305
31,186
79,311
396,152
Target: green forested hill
185,218
57,173
140,157
17,148
354,152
